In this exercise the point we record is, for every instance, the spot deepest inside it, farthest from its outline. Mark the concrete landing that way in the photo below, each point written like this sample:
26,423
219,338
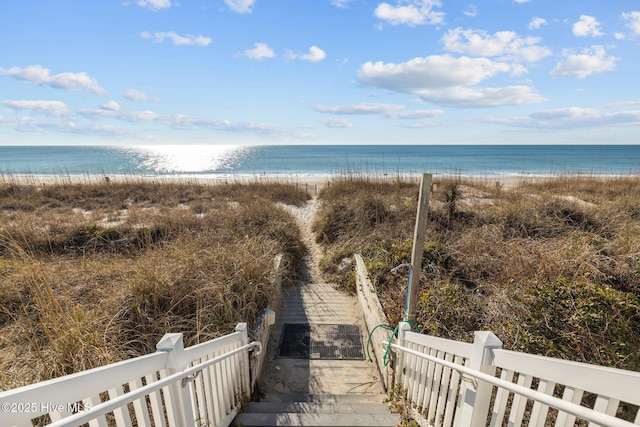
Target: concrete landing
318,304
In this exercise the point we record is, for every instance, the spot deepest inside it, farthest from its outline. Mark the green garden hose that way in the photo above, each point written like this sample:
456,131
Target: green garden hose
393,334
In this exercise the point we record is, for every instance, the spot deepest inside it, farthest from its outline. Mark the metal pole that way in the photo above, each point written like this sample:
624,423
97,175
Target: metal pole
418,247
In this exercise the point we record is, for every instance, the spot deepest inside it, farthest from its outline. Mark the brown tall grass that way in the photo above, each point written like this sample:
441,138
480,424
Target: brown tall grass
551,266
93,273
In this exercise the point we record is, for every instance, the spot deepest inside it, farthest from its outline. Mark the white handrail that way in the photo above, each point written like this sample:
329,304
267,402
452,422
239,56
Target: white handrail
562,405
117,402
103,377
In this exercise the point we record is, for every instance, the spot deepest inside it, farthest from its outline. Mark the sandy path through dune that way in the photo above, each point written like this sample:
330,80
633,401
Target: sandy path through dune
305,215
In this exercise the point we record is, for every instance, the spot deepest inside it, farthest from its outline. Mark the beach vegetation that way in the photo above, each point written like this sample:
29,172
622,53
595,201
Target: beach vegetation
551,266
93,273
452,195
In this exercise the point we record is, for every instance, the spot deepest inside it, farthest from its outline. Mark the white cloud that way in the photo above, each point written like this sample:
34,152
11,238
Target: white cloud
506,45
315,55
110,106
577,118
390,111
261,51
187,122
341,3
129,116
337,123
50,108
563,113
521,1
417,114
174,121
42,76
177,39
537,22
154,4
623,105
411,12
633,21
361,108
136,95
32,74
587,26
471,10
240,6
431,72
444,80
139,116
473,97
590,61
28,124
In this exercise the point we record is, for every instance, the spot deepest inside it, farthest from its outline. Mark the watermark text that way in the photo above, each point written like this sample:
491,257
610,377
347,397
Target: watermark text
43,407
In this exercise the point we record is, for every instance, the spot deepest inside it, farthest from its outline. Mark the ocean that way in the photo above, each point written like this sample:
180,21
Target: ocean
217,161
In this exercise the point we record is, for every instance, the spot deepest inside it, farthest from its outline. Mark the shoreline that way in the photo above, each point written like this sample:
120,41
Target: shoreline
315,181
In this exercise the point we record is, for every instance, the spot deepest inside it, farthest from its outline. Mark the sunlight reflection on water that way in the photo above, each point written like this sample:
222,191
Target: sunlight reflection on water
166,159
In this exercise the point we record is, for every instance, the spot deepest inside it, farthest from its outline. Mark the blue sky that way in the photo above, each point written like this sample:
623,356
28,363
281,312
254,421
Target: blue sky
319,72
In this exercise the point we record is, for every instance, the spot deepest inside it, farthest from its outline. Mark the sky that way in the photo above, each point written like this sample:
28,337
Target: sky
114,72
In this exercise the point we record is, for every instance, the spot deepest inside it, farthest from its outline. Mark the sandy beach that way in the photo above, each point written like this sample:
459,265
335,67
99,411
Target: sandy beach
312,183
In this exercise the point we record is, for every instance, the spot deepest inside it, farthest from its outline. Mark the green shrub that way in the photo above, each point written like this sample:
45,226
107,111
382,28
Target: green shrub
450,311
592,323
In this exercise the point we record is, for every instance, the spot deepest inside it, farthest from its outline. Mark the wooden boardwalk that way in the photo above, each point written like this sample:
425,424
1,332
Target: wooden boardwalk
316,372
318,304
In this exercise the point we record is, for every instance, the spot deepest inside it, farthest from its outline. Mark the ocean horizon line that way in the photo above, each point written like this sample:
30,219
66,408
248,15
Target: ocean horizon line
224,161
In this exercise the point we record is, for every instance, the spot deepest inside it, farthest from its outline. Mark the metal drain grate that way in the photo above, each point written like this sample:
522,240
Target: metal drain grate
321,342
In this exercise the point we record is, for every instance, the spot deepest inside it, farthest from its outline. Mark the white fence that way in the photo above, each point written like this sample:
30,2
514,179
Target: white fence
203,385
450,383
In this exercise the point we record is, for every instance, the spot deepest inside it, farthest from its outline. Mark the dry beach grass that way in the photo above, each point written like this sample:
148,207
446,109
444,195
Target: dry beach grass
551,266
94,272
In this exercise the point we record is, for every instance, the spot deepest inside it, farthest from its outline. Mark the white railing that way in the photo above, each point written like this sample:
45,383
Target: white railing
450,383
203,385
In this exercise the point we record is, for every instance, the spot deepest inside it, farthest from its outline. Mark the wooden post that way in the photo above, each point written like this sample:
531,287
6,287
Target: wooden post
418,247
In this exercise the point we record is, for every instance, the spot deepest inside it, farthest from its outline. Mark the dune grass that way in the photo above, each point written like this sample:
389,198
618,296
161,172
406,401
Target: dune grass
97,272
93,273
552,267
